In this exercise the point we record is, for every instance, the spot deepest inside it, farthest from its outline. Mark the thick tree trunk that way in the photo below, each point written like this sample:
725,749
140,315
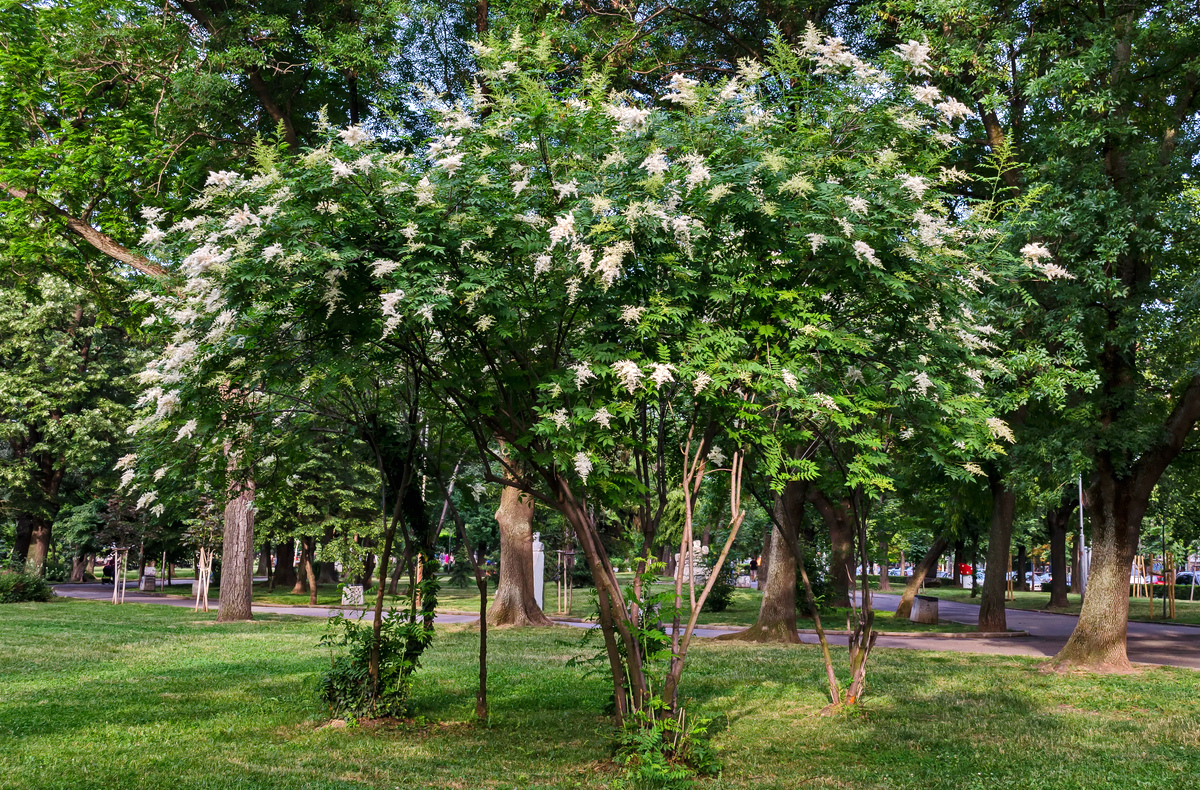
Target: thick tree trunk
1076,578
764,565
368,570
922,568
1098,641
1019,582
285,563
777,613
39,546
959,550
237,558
991,605
839,521
1057,522
513,602
20,553
78,568
264,561
885,583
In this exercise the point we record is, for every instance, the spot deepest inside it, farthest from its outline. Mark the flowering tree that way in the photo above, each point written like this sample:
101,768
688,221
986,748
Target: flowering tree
563,262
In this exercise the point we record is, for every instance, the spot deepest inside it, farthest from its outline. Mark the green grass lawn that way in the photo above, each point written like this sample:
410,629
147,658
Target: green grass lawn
95,696
1139,608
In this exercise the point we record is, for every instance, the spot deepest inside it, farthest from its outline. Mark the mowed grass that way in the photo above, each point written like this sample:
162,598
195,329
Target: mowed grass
1186,612
96,696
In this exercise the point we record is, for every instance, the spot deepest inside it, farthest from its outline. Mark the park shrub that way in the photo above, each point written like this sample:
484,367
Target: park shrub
459,573
721,594
661,749
347,688
17,586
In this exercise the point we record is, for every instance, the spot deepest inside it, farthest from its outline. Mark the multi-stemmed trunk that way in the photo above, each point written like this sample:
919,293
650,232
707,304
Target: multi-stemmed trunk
840,522
514,602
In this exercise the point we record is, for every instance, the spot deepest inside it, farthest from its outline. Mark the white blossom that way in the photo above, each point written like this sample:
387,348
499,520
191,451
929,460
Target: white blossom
952,109
701,382
272,252
662,374
698,172
542,263
716,457
907,433
353,135
655,164
382,267
1000,430
242,218
564,228
328,207
825,402
629,119
916,55
341,169
222,178
789,379
152,236
126,478
567,189
1036,252
611,258
424,191
631,315
159,472
975,469
921,382
559,418
450,163
854,375
186,431
583,373
390,303
628,373
146,499
915,186
519,186
602,416
158,510
684,90
864,252
857,205
816,240
485,322
126,462
583,465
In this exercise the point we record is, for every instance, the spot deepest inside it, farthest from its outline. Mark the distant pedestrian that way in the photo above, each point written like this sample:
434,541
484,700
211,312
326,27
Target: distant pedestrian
754,569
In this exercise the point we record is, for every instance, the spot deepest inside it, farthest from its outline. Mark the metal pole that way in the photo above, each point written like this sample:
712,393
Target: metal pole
1083,560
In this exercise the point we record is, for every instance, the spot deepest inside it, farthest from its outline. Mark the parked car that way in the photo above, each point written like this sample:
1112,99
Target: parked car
1188,577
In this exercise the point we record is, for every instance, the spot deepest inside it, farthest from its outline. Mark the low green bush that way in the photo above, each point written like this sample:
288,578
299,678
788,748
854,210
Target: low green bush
664,751
16,587
347,688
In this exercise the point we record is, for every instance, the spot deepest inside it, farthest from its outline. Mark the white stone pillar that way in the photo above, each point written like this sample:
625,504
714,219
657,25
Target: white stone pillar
539,569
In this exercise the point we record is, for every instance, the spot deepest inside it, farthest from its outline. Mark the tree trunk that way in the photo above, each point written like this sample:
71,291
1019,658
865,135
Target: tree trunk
78,568
329,573
301,576
991,605
310,548
1057,521
1019,582
368,570
1076,578
264,561
841,544
513,602
885,583
20,552
237,558
914,582
394,584
777,613
39,546
285,563
959,549
764,565
1098,641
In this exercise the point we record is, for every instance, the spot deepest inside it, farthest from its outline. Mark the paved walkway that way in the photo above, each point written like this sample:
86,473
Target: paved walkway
1149,643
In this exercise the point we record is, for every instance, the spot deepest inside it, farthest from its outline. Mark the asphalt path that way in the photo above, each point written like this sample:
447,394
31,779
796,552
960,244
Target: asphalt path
1148,643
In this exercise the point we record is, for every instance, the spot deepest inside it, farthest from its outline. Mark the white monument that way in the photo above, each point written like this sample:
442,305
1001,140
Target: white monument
539,568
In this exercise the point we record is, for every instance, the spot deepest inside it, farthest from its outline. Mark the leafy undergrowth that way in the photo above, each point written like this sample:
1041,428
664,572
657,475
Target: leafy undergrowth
148,697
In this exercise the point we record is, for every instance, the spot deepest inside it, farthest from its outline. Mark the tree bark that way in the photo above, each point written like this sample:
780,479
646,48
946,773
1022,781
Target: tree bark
764,565
264,561
300,575
914,582
1058,520
237,558
991,605
1019,582
285,563
839,521
310,548
885,583
777,613
20,553
959,550
513,602
1076,579
39,546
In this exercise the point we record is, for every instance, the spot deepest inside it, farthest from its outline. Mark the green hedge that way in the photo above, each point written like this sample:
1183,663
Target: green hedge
16,587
